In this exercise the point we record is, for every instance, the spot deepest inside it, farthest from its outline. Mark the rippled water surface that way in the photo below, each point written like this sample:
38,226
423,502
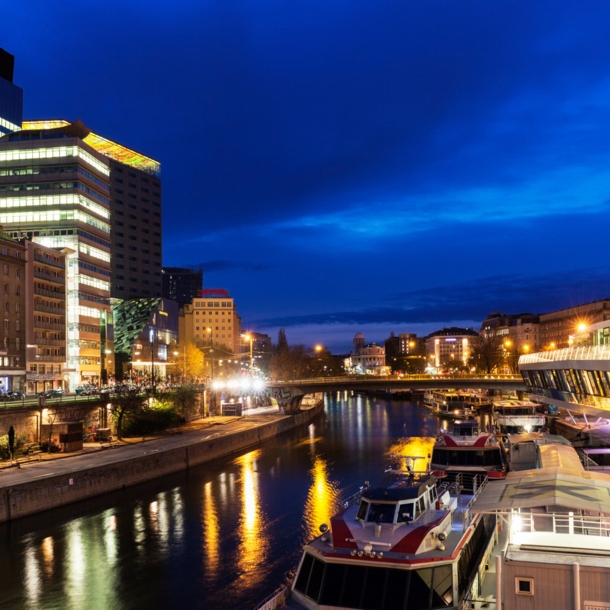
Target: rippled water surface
223,535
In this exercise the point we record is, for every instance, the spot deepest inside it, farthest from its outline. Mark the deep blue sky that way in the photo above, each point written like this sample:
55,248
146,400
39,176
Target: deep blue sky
345,165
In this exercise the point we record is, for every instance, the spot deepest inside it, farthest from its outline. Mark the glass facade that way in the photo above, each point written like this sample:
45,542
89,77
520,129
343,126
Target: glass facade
76,220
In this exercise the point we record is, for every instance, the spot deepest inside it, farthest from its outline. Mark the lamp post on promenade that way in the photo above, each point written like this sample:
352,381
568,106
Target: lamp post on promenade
249,338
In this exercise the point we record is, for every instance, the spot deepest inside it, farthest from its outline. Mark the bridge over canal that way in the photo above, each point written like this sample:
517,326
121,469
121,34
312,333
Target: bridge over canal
289,394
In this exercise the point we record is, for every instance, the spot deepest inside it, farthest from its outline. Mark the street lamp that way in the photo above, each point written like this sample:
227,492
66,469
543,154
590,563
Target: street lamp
249,337
209,330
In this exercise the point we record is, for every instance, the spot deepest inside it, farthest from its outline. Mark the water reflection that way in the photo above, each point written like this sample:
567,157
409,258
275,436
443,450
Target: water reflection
47,556
211,531
223,536
321,499
31,577
253,541
414,446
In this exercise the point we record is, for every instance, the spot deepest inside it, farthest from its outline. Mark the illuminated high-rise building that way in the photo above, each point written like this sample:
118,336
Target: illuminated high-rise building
11,96
55,191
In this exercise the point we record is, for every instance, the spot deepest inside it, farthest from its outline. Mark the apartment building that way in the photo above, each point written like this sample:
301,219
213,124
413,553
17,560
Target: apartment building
212,320
12,330
45,317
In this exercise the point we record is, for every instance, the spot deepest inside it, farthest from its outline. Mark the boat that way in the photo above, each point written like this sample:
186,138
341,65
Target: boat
454,404
400,544
554,548
518,416
467,450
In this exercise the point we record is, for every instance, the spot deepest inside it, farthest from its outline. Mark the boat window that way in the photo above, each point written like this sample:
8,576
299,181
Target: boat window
375,588
382,513
362,510
405,513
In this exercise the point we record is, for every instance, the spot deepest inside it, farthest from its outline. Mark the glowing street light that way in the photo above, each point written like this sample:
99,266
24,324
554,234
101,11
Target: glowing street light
582,327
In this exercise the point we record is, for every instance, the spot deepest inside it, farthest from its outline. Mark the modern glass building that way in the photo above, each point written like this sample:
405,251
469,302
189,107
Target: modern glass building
570,377
54,190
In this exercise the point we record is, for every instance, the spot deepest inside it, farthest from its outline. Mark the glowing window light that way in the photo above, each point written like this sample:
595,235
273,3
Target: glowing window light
8,125
53,216
93,282
68,199
91,251
53,153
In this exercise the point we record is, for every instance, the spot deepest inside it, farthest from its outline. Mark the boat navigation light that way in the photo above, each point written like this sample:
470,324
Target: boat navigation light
368,548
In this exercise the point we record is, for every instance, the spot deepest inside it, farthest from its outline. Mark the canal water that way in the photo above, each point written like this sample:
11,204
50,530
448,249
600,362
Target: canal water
223,535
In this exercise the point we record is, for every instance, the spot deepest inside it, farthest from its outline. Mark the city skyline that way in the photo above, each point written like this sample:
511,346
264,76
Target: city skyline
390,167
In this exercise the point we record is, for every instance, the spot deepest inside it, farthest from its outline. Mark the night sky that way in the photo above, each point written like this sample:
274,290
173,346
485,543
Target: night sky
351,165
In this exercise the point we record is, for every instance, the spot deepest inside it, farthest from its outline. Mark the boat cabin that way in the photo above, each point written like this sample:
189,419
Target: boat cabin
521,450
404,500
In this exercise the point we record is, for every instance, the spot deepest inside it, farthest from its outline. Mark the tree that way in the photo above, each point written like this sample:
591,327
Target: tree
184,399
189,362
486,353
282,341
126,401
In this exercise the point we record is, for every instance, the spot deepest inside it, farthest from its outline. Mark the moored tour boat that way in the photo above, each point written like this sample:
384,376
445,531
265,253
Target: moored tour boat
466,454
406,543
518,416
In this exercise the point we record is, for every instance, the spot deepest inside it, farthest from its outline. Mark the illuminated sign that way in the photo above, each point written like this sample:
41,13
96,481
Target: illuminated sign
213,292
451,339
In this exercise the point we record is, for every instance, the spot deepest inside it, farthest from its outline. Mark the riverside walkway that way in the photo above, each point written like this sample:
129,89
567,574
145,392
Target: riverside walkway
96,454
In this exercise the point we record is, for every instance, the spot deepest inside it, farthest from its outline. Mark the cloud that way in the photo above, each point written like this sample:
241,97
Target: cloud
468,300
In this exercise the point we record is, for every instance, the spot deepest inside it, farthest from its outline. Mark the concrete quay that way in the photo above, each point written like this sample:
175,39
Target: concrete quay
40,486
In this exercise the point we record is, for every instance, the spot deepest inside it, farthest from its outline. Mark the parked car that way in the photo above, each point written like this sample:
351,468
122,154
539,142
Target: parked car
52,393
14,396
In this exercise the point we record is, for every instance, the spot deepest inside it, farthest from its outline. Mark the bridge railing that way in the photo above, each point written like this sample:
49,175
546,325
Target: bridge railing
395,378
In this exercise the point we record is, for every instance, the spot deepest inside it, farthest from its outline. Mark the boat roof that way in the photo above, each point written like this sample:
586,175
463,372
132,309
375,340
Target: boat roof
396,487
515,403
539,437
466,423
545,487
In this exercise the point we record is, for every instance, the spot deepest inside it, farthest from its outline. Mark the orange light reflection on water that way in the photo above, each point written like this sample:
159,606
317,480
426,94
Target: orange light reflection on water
211,531
321,499
253,544
420,446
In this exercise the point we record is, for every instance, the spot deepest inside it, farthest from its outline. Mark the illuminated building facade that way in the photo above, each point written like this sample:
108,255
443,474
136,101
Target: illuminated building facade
367,359
522,330
181,284
54,190
213,310
11,96
405,352
449,344
557,327
45,314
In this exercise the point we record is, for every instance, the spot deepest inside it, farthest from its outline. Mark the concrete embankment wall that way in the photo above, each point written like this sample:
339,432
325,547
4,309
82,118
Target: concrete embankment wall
53,491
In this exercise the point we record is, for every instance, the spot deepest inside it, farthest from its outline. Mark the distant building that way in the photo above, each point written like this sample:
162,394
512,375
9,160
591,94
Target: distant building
11,96
405,352
449,344
211,320
181,284
367,359
557,327
12,330
45,317
523,329
145,337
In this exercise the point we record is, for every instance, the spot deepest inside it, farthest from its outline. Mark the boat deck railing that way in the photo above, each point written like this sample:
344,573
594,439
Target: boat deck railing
554,523
277,599
476,603
479,482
